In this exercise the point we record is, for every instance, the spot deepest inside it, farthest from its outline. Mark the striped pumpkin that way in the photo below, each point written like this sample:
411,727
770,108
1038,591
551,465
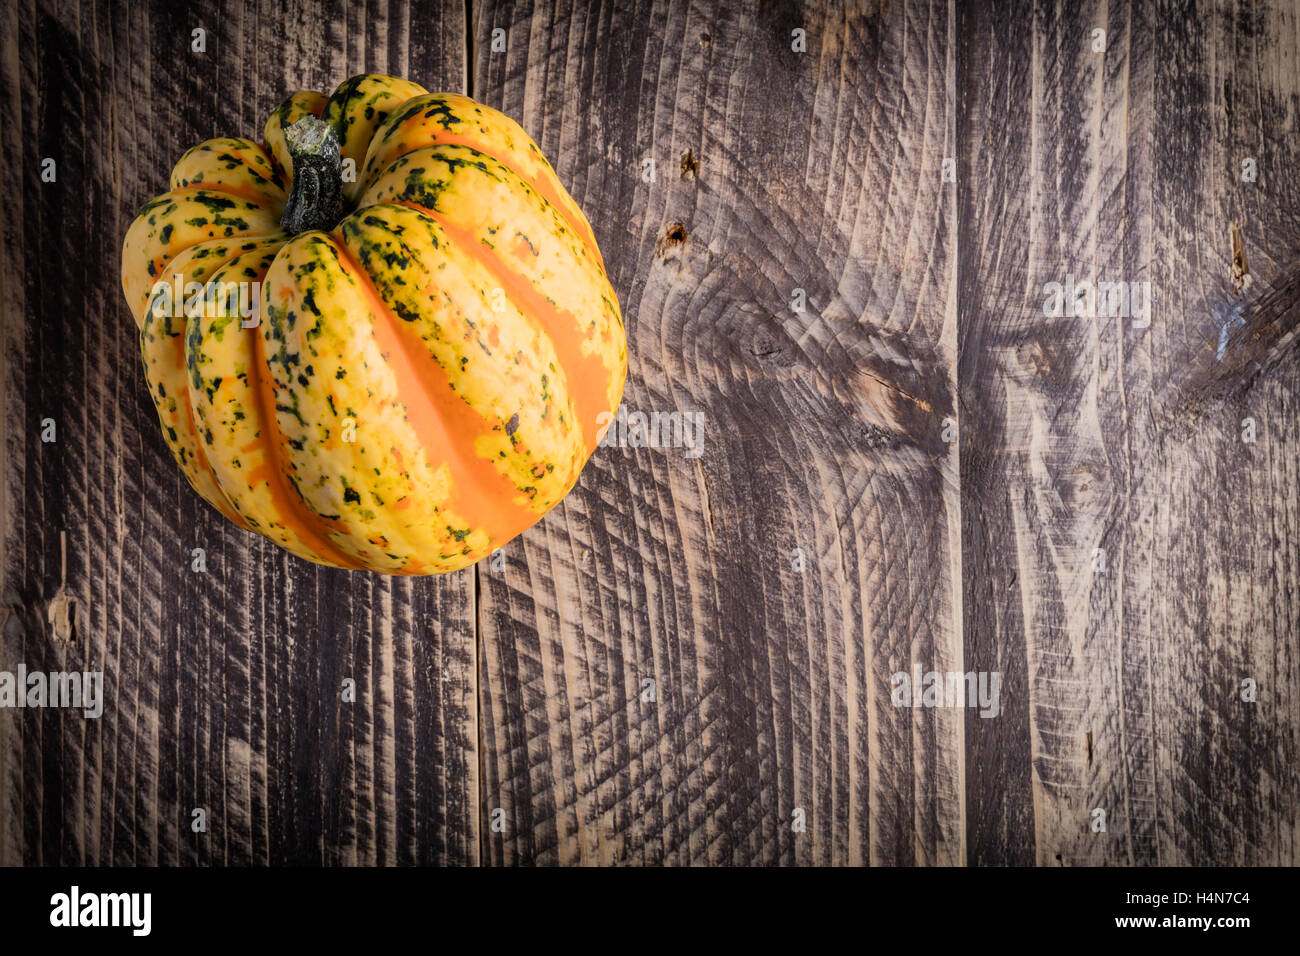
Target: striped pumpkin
408,385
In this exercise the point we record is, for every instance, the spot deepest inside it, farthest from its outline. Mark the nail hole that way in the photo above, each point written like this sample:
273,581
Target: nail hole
673,236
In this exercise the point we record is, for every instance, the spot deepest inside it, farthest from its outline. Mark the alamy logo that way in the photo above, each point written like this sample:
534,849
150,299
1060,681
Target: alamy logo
656,430
948,689
214,300
78,691
75,908
1086,300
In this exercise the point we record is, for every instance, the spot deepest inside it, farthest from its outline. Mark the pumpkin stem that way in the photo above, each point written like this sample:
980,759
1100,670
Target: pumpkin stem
316,197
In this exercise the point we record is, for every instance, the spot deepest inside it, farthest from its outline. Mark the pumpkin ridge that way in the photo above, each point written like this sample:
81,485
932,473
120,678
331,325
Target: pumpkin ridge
502,518
289,502
450,195
277,507
322,331
199,462
548,187
215,253
262,199
357,108
201,458
158,343
175,221
211,163
550,450
579,370
169,263
224,505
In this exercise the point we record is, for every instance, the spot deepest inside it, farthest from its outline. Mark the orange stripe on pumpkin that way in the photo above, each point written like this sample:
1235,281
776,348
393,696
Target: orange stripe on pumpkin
444,422
585,376
223,505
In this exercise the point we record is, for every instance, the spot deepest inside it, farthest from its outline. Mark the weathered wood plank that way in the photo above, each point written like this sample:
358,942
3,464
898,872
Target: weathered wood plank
224,689
775,170
1127,564
1227,89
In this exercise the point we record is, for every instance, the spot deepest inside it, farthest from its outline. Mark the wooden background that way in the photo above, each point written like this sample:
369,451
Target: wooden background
521,691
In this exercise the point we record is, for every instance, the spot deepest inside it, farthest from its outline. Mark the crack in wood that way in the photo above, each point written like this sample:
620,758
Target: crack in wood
708,501
919,402
690,166
1240,274
470,64
479,795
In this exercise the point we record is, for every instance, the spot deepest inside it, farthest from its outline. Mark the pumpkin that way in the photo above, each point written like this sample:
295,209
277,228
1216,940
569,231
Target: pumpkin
384,337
